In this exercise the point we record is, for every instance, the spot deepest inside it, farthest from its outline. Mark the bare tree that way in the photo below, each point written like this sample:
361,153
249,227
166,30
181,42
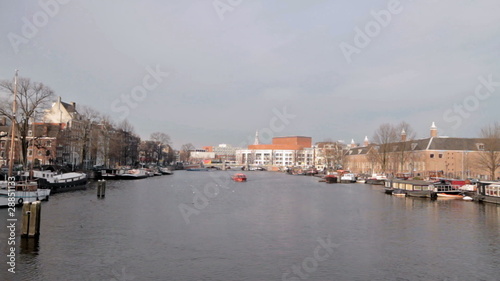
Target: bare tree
489,158
161,140
31,97
384,137
184,153
404,154
105,134
89,119
333,153
128,143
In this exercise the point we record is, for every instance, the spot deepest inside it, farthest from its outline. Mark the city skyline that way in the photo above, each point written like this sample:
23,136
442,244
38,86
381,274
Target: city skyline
210,72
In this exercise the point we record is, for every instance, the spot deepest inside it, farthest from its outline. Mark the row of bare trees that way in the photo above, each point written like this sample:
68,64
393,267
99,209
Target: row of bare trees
385,138
93,136
157,149
391,149
489,158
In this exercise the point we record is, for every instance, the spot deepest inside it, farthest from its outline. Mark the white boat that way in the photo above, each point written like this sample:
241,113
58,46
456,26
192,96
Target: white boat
132,174
166,171
348,178
24,192
376,179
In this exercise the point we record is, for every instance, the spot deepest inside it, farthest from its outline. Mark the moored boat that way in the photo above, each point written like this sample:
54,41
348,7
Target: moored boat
331,178
23,192
166,171
132,174
450,196
412,188
376,179
488,191
348,178
61,182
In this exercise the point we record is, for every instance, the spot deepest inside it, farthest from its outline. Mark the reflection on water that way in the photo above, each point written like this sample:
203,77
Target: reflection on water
258,230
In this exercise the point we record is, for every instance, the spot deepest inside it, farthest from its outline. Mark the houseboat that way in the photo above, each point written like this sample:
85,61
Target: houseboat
488,191
412,188
60,182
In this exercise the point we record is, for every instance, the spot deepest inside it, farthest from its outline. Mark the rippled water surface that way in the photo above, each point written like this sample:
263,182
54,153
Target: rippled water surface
202,226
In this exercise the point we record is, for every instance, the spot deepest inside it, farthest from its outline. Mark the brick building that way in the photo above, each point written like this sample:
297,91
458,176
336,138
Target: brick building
436,155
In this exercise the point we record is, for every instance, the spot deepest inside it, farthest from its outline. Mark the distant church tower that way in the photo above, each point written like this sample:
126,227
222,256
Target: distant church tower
256,141
366,142
434,130
403,135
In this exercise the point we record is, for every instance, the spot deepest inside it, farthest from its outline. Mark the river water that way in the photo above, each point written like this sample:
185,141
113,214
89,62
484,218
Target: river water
203,226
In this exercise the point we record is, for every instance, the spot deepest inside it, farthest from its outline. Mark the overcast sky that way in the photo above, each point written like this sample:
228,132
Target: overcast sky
224,69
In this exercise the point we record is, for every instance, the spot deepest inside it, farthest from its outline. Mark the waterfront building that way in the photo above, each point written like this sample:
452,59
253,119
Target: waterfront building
70,143
42,139
223,152
330,154
433,156
282,152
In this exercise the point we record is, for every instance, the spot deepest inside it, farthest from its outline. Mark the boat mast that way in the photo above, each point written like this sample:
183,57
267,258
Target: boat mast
13,133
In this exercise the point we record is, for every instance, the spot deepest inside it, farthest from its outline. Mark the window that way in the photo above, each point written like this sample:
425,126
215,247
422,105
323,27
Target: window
48,144
30,133
2,144
480,146
432,155
39,153
30,152
440,155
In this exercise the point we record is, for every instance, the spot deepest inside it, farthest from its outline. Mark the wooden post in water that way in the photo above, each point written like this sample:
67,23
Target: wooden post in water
31,219
101,188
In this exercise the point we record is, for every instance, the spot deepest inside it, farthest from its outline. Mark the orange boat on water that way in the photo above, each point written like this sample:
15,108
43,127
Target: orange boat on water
239,177
450,196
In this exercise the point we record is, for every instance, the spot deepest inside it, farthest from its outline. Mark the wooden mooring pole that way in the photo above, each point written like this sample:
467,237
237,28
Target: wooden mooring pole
101,188
31,219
